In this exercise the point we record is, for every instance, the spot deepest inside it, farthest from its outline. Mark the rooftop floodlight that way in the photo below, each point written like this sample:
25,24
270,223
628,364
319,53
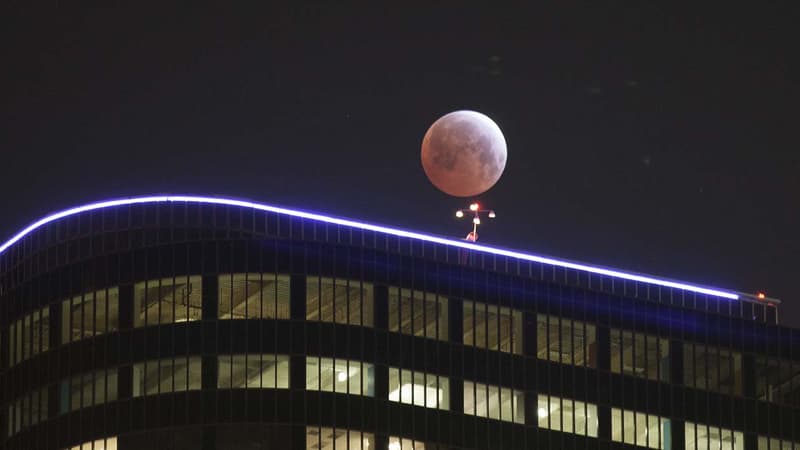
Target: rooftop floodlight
474,207
475,211
476,220
459,213
492,215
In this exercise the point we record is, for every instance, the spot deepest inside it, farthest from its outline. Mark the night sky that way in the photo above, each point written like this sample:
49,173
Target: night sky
641,137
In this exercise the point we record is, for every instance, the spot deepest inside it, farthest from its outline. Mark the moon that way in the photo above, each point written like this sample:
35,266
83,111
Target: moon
464,153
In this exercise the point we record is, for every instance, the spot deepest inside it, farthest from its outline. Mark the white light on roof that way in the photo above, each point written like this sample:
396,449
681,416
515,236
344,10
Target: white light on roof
370,227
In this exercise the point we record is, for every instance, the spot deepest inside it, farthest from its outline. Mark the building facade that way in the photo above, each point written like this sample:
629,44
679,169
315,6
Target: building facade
207,323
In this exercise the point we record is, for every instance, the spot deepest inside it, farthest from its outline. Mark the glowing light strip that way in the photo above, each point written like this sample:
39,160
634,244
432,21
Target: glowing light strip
370,227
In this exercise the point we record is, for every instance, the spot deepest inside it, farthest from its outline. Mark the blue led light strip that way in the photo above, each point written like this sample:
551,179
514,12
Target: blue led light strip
370,227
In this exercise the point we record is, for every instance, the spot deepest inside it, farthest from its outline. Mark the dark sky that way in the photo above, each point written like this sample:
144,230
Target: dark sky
649,138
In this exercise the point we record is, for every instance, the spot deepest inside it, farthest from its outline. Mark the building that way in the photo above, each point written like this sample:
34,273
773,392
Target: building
192,322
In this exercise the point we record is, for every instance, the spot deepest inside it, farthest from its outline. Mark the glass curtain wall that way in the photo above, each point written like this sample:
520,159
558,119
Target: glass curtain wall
704,437
324,438
168,300
643,430
89,315
263,371
492,327
253,296
418,313
567,415
768,443
778,381
712,368
27,410
566,341
88,389
340,301
639,355
160,376
494,402
418,388
99,444
340,375
29,336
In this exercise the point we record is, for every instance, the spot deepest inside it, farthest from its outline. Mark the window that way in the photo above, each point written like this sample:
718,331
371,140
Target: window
89,315
768,443
253,371
168,300
492,327
26,411
100,444
322,438
417,313
88,389
639,355
704,437
161,376
29,336
398,443
778,381
712,368
420,389
644,430
569,416
253,296
339,301
494,402
340,375
566,341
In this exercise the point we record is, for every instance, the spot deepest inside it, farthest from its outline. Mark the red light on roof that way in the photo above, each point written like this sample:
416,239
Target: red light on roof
761,295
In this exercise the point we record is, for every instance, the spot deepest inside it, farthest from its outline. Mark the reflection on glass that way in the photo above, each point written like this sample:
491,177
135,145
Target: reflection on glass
492,327
89,314
417,313
88,389
569,416
639,355
494,402
253,371
566,341
29,336
253,296
168,300
322,438
339,301
418,388
100,444
644,430
340,375
704,437
166,375
712,368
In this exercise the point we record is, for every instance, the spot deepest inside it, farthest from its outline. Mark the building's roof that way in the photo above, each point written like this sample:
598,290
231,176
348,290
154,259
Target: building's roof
590,268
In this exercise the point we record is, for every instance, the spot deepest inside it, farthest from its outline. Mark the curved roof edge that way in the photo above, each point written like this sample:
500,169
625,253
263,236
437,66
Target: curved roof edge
381,229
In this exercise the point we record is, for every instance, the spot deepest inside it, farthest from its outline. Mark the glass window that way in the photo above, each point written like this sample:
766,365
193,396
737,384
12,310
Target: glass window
88,389
778,381
417,313
322,438
712,368
26,411
100,444
161,376
253,296
29,336
494,402
253,371
768,443
492,327
418,388
566,341
89,315
569,416
704,437
398,443
339,301
340,375
644,430
639,355
168,300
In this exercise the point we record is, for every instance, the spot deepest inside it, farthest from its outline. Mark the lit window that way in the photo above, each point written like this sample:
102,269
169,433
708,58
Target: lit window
29,336
161,376
644,430
569,416
168,300
340,375
398,443
253,371
768,443
88,389
494,402
704,437
712,368
339,301
26,411
89,314
417,313
100,444
639,355
323,438
566,341
778,380
420,389
492,327
253,296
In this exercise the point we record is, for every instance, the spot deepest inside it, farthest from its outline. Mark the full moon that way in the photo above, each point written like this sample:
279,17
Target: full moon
464,153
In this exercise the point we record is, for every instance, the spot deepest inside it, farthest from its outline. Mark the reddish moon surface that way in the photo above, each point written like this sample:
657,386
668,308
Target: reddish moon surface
464,153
